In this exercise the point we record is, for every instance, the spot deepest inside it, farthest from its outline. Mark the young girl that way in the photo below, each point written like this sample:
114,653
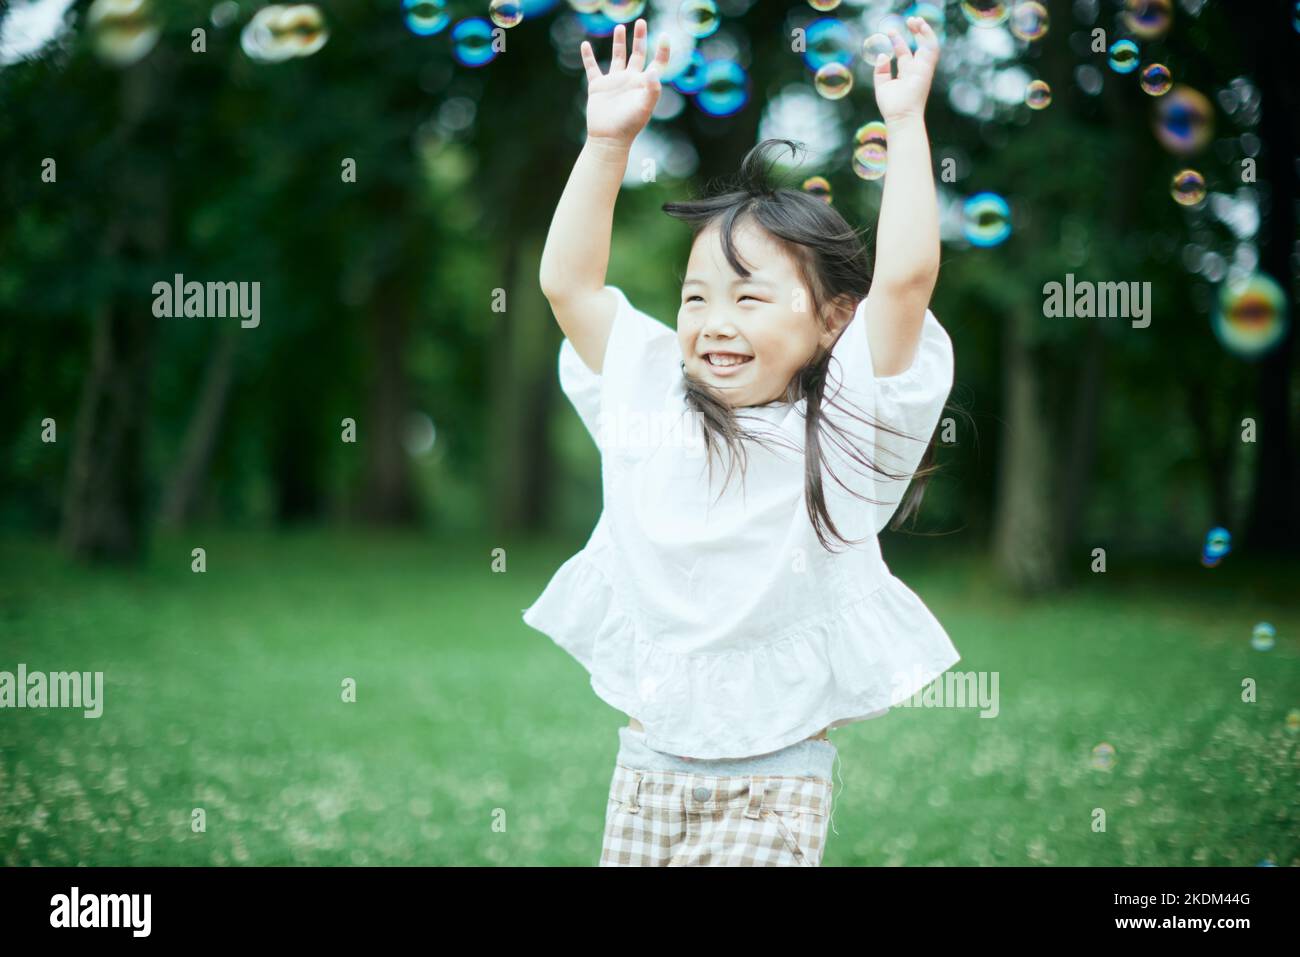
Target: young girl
736,623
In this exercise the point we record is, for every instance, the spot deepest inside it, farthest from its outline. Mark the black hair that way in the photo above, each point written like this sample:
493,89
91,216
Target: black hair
832,260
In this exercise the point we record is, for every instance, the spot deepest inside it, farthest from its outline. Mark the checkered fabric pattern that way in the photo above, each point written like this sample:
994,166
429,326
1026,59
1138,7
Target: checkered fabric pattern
676,819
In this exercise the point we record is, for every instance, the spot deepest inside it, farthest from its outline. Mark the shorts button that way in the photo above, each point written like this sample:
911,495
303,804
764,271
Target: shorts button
701,793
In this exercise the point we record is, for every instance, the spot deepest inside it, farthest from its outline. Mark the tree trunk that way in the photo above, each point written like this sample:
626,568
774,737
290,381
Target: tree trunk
1075,478
186,484
389,496
1026,534
104,497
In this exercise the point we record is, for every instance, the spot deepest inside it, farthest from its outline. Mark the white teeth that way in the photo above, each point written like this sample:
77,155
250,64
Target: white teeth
719,360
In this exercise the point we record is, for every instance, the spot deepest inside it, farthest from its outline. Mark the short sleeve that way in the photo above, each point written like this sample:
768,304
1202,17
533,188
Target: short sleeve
910,402
642,361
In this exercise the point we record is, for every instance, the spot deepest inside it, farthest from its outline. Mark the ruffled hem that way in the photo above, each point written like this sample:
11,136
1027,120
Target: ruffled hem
851,665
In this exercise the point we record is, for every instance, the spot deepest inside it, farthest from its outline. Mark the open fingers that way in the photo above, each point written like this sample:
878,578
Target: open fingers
927,44
901,52
637,60
618,54
589,62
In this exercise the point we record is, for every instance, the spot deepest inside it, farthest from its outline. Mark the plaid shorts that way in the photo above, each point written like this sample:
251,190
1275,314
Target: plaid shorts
663,818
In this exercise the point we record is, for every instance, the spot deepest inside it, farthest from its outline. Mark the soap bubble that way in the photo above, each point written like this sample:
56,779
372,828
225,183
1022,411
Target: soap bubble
984,13
823,6
1029,21
828,40
725,88
1123,56
622,11
818,186
875,45
123,31
691,79
1038,95
1148,19
278,33
699,18
1251,317
1156,79
1103,756
506,13
471,42
1262,636
1184,120
834,80
871,150
426,17
1188,187
986,219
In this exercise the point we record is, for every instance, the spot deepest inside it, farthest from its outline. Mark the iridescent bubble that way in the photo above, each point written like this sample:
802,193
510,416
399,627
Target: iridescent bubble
871,132
1156,79
725,89
1148,19
1103,756
986,219
828,41
1218,542
1038,95
875,45
699,18
823,6
1263,636
1184,120
506,13
691,79
471,42
1029,21
585,6
833,81
1188,187
871,150
426,17
1123,56
1251,316
277,33
301,28
818,186
622,11
984,13
123,31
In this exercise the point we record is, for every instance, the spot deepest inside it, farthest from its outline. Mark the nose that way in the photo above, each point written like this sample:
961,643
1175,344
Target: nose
718,325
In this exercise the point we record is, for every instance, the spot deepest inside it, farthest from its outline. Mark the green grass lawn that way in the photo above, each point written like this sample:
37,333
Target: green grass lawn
475,740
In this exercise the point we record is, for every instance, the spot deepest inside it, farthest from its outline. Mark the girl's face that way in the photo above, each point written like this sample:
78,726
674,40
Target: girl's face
761,329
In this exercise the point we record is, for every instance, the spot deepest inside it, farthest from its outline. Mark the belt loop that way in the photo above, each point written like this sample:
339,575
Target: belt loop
632,806
755,796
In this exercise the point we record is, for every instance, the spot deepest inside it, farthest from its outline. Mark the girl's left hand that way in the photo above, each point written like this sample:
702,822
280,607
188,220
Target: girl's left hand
904,95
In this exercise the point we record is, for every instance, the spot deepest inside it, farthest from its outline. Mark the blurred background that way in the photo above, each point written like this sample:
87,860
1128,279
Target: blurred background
383,472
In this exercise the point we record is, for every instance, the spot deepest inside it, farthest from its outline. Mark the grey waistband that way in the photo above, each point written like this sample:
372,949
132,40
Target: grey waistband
808,758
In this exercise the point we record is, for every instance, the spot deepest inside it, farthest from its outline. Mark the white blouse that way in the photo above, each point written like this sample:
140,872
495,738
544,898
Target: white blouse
718,620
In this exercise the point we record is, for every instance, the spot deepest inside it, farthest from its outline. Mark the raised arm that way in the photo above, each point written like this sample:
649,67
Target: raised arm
576,255
907,236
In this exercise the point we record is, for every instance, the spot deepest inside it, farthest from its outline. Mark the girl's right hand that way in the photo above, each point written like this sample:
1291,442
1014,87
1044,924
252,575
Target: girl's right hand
619,103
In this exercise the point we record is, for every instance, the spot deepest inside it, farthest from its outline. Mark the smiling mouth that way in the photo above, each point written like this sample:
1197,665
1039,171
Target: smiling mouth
726,360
